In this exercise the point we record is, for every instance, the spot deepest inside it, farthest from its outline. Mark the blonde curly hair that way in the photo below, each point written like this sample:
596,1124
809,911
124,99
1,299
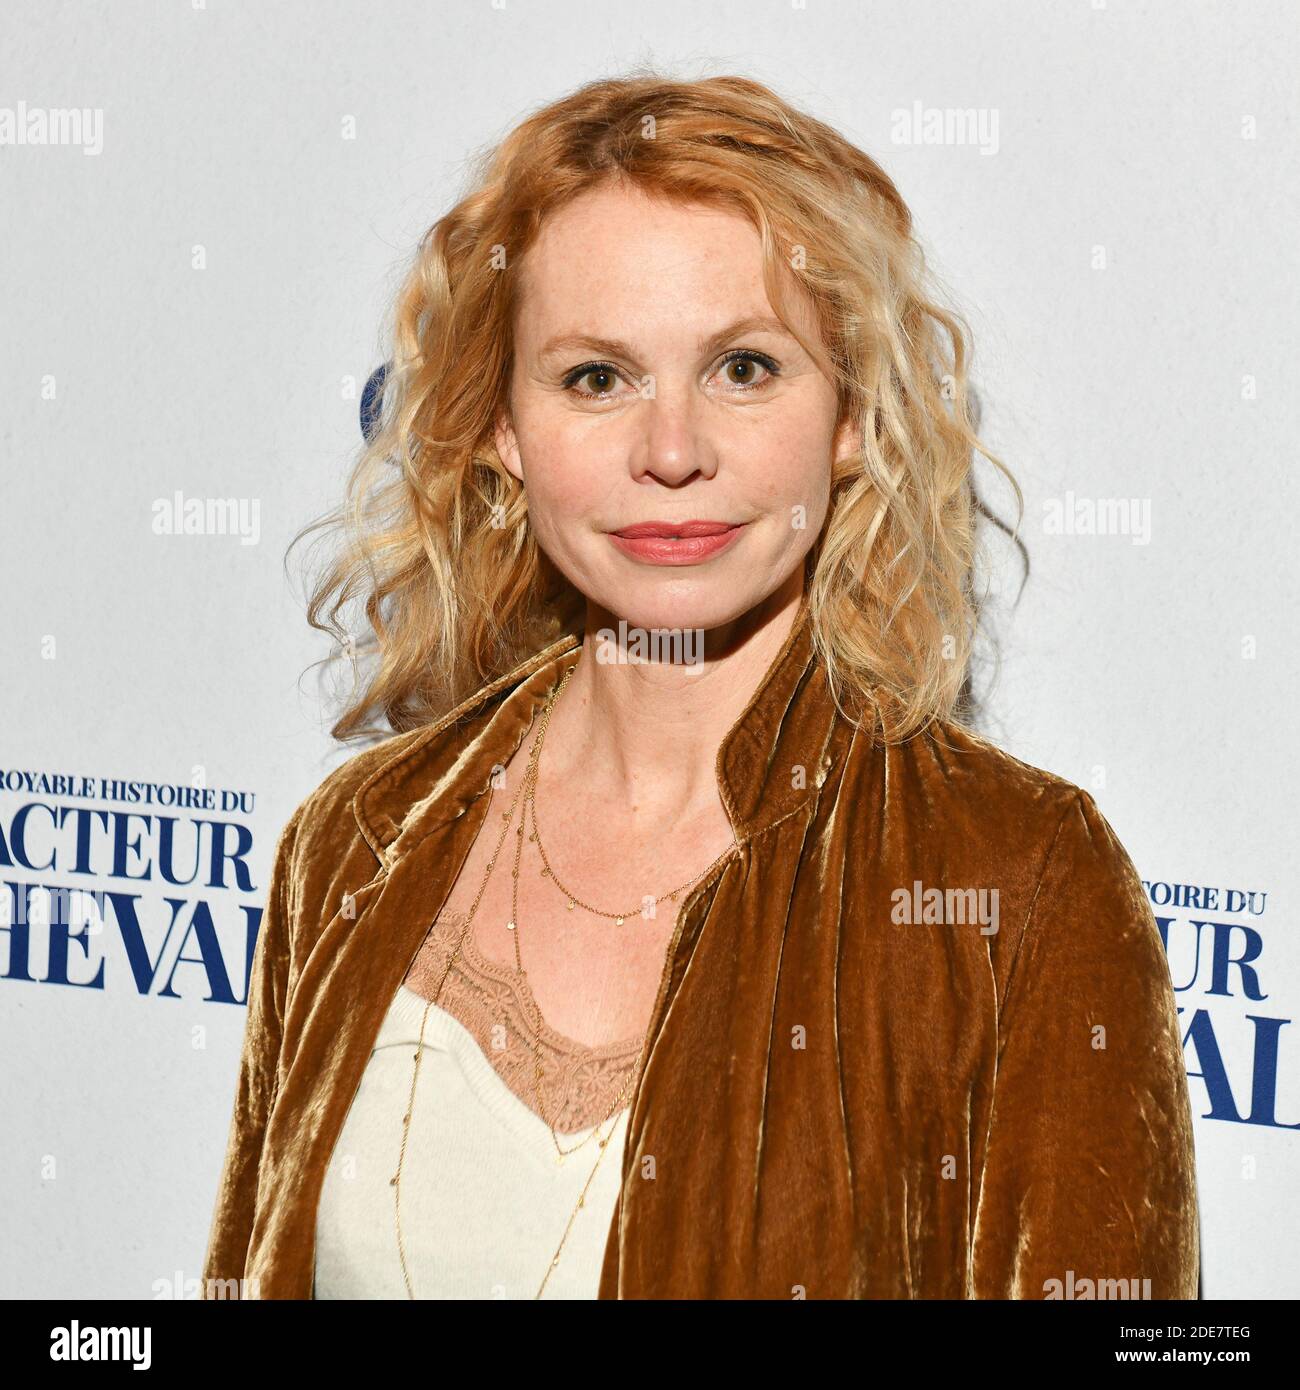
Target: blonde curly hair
437,542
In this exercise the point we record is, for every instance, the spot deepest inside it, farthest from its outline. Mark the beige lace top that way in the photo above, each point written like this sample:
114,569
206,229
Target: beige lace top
580,1085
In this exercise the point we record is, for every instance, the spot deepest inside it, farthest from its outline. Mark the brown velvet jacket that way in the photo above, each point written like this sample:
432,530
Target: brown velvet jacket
838,1104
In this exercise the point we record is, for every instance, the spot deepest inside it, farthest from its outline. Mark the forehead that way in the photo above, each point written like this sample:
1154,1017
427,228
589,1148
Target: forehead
619,259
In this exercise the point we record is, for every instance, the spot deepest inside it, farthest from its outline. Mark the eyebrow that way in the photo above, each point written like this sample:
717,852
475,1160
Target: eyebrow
614,347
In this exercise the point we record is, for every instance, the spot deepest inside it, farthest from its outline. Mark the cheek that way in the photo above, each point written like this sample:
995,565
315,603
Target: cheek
565,474
794,465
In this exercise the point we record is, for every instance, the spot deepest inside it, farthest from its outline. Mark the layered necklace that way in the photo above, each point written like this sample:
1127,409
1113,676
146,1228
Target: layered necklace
527,791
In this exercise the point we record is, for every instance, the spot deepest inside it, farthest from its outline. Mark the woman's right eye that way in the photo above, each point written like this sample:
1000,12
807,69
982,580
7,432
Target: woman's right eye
600,375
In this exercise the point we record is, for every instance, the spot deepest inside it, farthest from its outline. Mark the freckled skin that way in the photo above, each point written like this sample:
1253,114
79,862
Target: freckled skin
661,277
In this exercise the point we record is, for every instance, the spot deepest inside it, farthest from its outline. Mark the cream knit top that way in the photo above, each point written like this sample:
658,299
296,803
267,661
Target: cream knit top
484,1197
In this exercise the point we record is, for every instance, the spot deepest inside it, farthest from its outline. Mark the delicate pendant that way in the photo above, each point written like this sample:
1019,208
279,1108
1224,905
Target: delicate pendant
510,926
572,904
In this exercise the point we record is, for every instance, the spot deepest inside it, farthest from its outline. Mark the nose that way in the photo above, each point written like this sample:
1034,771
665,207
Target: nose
672,443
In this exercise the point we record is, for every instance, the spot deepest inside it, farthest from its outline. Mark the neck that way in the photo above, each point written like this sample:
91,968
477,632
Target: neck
642,732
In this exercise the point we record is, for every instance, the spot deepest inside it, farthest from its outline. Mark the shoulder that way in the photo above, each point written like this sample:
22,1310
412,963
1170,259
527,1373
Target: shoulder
978,794
330,807
369,794
992,819
322,852
966,761
1062,817
331,800
334,840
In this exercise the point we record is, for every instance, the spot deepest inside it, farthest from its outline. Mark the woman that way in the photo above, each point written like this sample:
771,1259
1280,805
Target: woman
640,967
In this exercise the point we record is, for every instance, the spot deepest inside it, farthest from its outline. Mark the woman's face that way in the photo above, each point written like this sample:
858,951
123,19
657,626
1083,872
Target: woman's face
653,383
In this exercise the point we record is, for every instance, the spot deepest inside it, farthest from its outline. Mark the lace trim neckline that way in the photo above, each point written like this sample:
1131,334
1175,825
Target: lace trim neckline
519,987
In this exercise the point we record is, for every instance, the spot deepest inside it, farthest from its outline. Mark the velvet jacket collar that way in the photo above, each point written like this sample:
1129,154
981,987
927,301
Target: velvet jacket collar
788,723
835,1102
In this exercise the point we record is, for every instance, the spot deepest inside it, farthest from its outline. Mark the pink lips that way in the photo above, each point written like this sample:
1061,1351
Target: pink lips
676,542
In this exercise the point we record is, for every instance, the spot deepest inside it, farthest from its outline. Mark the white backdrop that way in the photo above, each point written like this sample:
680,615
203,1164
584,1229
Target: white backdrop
194,278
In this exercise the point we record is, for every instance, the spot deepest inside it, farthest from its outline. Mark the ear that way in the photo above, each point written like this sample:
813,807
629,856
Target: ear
848,439
508,447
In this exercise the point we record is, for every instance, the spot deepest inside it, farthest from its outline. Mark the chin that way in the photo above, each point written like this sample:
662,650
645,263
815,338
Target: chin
665,602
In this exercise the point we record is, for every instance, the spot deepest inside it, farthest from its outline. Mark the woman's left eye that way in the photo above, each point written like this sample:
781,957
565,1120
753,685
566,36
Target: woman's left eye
747,365
748,361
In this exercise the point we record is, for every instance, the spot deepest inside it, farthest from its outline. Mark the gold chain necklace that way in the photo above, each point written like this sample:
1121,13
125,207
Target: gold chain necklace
527,790
530,808
513,927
